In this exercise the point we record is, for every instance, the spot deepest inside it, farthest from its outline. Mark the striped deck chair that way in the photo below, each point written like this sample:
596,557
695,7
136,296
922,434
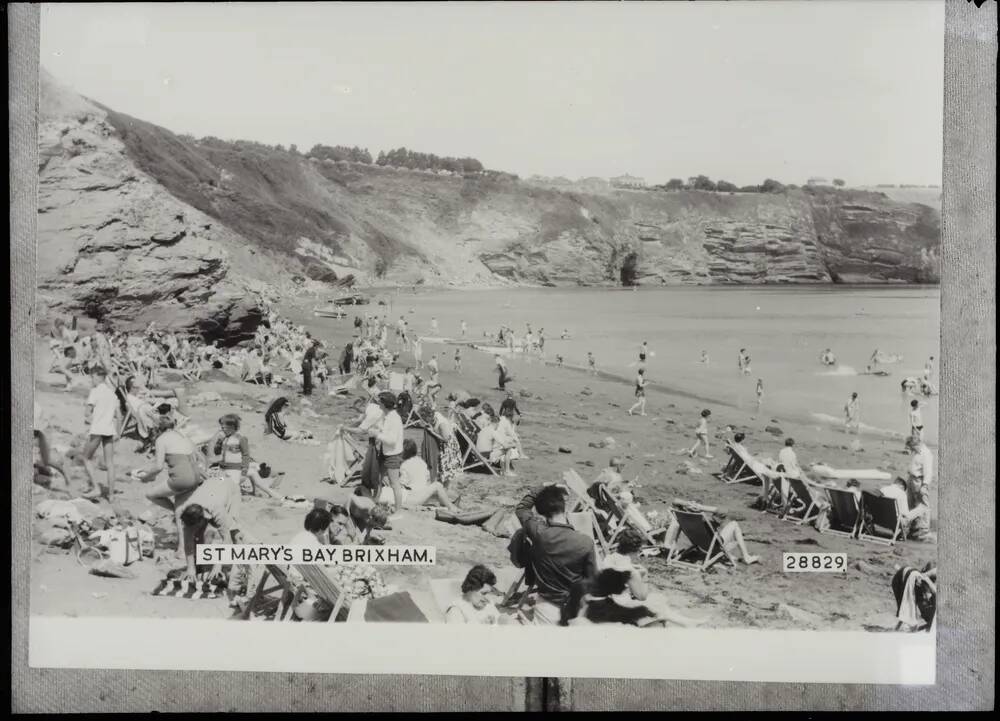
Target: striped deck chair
707,546
813,499
744,473
880,521
472,459
845,514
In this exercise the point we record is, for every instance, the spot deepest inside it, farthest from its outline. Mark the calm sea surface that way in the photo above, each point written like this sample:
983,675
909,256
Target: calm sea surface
784,330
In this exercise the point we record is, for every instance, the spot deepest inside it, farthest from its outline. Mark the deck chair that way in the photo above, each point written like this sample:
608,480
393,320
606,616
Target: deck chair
281,595
845,515
584,522
472,459
879,512
744,472
707,546
327,589
811,496
396,382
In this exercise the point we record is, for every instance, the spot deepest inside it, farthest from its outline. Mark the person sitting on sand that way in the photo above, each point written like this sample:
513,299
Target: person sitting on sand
701,435
560,557
730,533
275,423
626,601
414,477
640,393
186,470
505,443
229,451
474,605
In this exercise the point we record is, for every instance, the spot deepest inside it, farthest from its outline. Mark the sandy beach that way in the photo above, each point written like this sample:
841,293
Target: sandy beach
563,408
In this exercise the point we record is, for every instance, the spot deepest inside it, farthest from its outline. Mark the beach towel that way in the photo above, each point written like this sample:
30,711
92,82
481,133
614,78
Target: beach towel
502,523
394,608
191,590
338,451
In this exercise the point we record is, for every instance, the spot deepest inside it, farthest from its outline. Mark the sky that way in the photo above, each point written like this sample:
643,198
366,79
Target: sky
739,91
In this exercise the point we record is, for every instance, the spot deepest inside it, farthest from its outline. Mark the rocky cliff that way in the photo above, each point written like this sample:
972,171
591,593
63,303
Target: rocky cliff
138,222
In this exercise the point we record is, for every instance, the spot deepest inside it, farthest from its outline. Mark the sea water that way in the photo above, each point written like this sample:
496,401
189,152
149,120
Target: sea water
783,328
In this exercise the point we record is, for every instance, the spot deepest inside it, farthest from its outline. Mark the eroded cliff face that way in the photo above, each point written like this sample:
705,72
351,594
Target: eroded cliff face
113,244
134,219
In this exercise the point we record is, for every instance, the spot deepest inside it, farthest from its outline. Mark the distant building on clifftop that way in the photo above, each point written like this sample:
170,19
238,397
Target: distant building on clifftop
817,181
628,181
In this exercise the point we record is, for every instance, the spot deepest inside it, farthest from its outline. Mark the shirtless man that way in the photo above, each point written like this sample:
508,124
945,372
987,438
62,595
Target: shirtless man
852,414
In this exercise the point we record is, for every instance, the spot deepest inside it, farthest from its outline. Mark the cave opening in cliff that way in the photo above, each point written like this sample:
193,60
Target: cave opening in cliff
630,270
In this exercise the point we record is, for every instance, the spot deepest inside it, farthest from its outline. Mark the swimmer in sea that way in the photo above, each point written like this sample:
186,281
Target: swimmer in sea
458,361
643,352
463,328
827,358
744,362
704,357
591,362
852,414
565,335
929,368
760,393
434,325
640,393
559,360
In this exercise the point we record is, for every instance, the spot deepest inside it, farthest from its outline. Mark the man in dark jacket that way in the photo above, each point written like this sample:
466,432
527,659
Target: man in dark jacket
560,557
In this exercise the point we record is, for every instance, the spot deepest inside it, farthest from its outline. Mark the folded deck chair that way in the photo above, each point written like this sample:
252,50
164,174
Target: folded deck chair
344,460
811,496
326,589
745,472
472,459
281,595
845,515
707,546
880,521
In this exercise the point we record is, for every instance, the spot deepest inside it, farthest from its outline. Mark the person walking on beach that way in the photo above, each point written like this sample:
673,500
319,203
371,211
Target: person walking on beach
458,361
760,393
701,435
640,393
591,363
101,414
501,372
852,414
418,353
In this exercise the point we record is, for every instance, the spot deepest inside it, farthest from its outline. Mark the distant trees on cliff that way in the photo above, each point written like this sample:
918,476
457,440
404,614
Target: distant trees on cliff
404,158
839,182
340,152
703,182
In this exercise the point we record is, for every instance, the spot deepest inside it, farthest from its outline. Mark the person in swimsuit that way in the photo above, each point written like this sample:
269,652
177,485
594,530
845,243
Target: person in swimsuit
744,362
643,352
592,362
760,393
458,361
640,393
701,435
230,450
185,471
704,357
852,414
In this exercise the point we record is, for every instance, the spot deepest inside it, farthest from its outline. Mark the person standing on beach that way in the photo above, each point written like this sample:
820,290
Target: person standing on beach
640,393
418,353
701,435
307,368
918,489
541,342
760,393
744,362
101,414
929,368
643,352
458,361
432,364
501,372
916,420
852,414
591,362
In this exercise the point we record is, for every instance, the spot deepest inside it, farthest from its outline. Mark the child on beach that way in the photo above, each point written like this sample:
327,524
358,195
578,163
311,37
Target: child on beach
643,352
101,413
640,393
760,393
701,435
458,361
852,414
916,420
229,450
464,328
591,363
744,362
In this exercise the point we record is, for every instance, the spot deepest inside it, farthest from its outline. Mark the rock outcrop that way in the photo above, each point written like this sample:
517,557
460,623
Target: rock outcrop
114,244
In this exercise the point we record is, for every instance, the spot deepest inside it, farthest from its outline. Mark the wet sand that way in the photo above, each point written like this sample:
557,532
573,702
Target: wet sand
561,407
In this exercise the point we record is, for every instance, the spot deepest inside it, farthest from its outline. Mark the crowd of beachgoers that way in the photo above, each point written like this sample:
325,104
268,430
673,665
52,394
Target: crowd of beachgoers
575,548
